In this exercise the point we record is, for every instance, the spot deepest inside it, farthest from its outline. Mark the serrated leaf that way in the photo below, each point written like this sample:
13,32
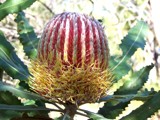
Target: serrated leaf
146,110
135,81
135,39
19,92
14,6
115,104
113,108
33,99
119,98
27,36
10,62
143,96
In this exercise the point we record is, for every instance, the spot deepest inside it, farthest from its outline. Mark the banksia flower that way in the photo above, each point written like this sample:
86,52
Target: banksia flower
72,62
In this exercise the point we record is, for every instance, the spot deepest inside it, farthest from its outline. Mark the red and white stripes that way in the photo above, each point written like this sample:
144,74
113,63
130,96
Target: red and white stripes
76,39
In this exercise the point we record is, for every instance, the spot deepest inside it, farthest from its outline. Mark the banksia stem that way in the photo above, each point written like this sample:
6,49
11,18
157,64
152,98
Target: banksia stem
72,62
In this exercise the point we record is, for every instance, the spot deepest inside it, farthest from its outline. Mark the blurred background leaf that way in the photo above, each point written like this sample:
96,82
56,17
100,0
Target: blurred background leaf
10,62
13,6
146,110
134,82
135,39
27,36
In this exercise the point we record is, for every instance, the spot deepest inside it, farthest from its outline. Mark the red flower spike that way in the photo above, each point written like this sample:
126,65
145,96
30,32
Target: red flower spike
77,39
72,62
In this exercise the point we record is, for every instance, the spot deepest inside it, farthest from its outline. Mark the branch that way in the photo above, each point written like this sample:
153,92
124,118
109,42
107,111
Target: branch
156,30
49,9
92,7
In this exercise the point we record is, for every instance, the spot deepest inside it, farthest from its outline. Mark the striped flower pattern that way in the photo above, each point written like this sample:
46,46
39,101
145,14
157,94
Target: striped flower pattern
72,62
77,39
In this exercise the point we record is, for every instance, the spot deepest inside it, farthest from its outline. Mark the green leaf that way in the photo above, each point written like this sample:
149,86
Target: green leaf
23,108
33,99
135,39
9,98
135,81
35,115
19,92
1,74
146,110
10,114
14,6
143,96
115,104
10,62
113,108
27,36
18,115
118,70
95,116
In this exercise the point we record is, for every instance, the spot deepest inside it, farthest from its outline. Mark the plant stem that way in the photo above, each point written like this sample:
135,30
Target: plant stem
1,74
71,109
65,115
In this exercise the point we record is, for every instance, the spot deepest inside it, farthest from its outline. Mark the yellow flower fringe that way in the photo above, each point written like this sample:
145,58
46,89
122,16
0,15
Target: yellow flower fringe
68,83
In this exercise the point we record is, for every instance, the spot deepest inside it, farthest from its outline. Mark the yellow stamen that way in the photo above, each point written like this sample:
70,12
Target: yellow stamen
69,83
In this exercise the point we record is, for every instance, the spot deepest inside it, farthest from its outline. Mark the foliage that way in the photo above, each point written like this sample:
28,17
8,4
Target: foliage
19,102
27,35
10,62
13,6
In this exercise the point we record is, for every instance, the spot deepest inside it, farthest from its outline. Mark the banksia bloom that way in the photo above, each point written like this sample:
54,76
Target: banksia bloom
72,62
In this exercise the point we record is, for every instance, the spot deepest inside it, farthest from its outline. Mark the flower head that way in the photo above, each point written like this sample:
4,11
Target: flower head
72,62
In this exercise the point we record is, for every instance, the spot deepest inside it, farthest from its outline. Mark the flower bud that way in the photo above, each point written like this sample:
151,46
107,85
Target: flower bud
77,39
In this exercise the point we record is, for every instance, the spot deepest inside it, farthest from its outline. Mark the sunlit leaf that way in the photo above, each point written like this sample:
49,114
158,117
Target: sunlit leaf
113,108
10,62
135,39
115,104
143,96
14,6
27,36
135,81
146,110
